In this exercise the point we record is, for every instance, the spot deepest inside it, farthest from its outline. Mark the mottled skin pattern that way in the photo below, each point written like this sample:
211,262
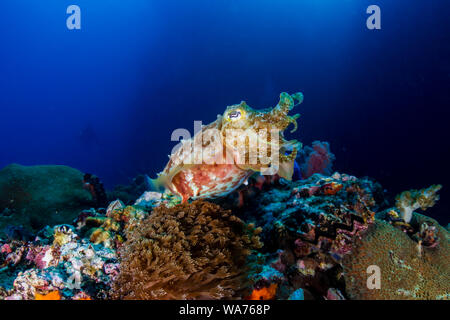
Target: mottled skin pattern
263,121
199,168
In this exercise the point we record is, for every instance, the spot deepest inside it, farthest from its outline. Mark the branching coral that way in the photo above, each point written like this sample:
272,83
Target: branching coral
409,201
190,251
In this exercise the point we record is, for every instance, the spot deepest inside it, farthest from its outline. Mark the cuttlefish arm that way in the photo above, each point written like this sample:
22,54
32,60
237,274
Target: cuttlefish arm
287,103
278,119
279,115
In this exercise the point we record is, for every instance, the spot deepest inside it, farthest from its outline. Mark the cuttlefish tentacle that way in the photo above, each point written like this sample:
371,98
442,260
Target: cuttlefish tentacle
287,103
289,157
293,120
279,115
291,145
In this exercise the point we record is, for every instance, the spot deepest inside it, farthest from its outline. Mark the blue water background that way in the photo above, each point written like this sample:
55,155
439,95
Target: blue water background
105,99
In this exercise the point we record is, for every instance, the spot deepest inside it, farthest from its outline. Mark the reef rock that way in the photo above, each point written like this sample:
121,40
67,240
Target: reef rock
35,196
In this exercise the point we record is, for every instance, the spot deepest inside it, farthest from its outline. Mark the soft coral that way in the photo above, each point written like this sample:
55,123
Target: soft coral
317,159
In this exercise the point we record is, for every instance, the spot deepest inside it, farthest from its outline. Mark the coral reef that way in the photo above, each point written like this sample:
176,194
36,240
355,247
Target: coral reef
264,293
62,266
314,238
189,251
39,195
308,227
312,235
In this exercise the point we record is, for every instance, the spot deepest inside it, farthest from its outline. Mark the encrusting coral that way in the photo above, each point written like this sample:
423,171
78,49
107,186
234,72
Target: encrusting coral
190,251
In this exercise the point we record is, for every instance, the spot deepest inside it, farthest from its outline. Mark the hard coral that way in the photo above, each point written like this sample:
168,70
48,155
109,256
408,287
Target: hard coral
408,270
190,251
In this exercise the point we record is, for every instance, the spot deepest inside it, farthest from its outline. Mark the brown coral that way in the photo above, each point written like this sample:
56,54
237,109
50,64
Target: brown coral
408,270
190,251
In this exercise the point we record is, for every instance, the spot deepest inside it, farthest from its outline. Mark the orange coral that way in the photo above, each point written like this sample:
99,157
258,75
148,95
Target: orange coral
52,295
265,293
189,251
332,188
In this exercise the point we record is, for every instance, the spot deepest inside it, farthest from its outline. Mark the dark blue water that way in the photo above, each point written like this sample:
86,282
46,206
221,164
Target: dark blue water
106,98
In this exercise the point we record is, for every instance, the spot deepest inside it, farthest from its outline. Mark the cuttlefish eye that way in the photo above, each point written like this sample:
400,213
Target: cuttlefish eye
235,115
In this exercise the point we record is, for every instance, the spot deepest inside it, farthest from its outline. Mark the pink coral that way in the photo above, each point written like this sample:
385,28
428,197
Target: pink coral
318,159
6,249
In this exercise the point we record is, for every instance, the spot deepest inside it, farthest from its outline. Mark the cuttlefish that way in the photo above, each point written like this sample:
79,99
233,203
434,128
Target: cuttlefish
225,153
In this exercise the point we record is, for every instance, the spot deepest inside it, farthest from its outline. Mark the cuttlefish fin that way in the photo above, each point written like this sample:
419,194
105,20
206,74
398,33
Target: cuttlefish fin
157,184
164,180
160,184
